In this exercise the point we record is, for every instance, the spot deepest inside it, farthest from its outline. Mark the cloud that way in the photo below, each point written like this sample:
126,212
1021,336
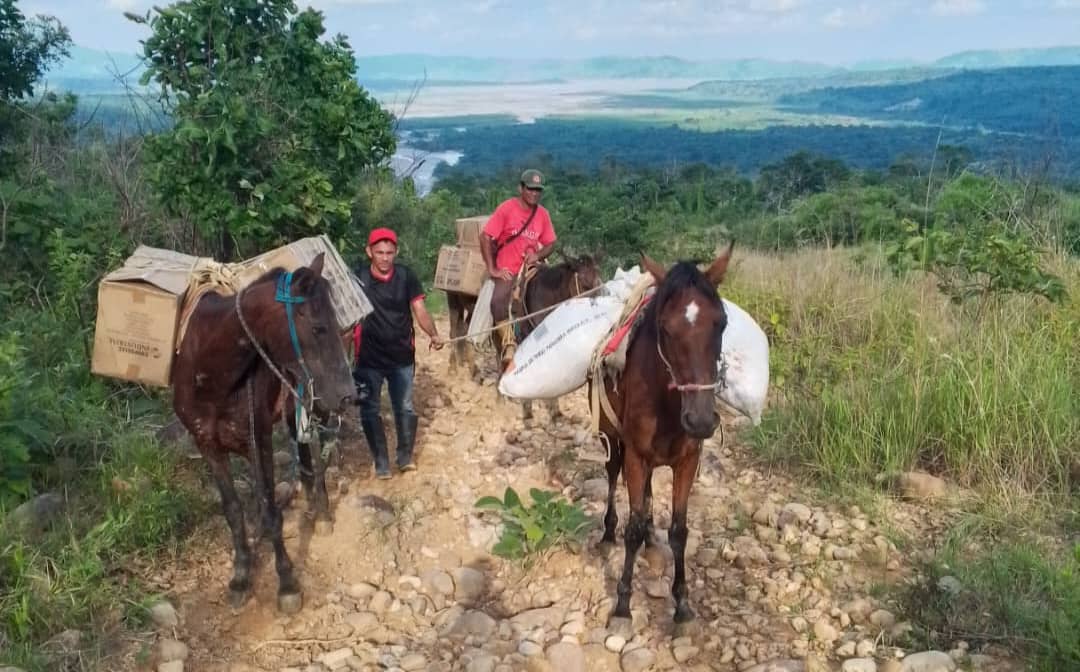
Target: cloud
673,19
775,6
482,6
359,2
862,15
957,7
124,5
426,21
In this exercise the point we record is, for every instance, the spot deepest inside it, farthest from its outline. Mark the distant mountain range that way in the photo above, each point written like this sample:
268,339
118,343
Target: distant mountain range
93,71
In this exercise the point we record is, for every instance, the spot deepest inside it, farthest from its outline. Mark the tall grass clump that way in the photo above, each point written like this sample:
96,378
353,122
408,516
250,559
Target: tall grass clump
875,374
1023,594
84,573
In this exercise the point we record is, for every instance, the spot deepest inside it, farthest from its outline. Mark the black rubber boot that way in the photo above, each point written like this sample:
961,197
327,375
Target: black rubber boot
376,440
406,433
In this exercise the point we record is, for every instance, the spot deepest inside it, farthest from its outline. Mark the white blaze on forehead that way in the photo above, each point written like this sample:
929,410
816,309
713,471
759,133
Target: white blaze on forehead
692,312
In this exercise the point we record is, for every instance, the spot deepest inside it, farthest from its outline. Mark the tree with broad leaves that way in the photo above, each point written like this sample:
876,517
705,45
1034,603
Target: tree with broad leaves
272,131
27,49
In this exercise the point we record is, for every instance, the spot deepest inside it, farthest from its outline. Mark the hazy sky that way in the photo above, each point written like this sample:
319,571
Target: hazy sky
833,31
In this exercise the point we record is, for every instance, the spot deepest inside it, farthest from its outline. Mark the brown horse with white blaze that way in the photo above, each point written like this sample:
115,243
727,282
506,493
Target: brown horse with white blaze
237,355
665,408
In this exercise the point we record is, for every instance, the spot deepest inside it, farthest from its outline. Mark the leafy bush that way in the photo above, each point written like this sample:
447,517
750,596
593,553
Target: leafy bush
20,432
528,530
979,261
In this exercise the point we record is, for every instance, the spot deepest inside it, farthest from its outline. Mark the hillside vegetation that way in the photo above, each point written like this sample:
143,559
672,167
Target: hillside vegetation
922,315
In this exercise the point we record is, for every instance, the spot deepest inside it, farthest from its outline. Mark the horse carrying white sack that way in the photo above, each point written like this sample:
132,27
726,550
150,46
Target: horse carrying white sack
556,358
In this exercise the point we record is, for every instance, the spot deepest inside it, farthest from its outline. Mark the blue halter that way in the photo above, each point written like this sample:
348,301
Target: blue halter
284,295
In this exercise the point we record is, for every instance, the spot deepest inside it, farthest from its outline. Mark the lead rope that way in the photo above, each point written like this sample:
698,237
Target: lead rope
303,416
262,353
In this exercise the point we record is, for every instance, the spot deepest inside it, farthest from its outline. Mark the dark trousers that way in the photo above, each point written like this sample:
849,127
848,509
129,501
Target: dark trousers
399,382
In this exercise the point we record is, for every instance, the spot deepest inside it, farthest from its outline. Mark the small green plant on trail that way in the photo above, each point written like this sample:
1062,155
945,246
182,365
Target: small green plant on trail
529,530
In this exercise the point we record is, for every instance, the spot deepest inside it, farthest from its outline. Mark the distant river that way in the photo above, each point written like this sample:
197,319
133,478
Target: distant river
407,159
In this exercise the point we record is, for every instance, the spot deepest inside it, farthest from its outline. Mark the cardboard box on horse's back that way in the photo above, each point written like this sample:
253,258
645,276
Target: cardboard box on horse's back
140,304
461,267
469,230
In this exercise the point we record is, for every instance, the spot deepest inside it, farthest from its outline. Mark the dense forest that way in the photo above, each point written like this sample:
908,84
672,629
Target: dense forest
1038,101
588,144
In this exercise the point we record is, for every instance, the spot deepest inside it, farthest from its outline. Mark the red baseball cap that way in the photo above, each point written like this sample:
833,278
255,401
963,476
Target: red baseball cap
381,234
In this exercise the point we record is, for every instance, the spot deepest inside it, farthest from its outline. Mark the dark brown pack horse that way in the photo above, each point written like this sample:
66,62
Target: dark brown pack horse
236,356
551,285
665,408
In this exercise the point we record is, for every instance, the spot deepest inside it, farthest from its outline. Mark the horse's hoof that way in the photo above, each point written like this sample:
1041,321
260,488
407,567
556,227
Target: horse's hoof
290,603
238,598
605,546
684,618
324,528
622,626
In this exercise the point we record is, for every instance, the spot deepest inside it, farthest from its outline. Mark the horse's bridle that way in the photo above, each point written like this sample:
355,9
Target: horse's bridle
673,384
283,294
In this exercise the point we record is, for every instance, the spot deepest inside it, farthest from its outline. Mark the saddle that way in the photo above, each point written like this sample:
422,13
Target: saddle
609,357
521,287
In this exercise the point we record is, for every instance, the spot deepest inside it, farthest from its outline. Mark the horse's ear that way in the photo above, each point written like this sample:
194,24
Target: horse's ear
317,264
651,266
718,269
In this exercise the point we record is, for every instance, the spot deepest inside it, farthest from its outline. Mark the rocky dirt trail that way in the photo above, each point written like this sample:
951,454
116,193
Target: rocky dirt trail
406,581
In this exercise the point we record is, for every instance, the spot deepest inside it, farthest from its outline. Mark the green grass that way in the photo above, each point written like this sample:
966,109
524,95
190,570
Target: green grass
84,574
1024,595
876,375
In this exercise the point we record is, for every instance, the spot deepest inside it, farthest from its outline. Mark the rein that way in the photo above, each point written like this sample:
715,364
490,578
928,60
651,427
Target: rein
283,294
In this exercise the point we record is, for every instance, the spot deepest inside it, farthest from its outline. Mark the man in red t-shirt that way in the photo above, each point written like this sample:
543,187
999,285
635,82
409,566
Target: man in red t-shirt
519,233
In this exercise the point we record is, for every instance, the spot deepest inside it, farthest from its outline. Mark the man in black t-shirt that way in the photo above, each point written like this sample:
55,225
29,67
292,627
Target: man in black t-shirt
387,349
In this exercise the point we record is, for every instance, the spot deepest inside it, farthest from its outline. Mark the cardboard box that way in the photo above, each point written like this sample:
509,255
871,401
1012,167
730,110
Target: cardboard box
350,303
469,229
138,312
460,269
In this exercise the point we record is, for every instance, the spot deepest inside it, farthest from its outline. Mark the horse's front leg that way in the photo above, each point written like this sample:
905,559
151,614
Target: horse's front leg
290,598
457,317
313,476
636,473
683,479
553,409
240,585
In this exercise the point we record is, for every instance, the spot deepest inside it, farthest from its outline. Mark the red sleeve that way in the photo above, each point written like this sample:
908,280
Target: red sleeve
495,224
547,234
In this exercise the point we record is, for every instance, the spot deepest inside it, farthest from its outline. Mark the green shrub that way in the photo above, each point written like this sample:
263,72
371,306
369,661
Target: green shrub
528,530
